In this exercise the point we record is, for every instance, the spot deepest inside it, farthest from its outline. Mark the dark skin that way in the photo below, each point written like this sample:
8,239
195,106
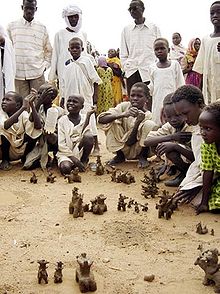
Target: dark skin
210,132
161,51
176,38
29,9
114,66
73,19
191,112
136,12
189,67
215,20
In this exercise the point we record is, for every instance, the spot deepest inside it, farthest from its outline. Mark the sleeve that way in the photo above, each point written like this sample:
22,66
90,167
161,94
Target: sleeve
47,50
199,63
62,144
165,130
206,155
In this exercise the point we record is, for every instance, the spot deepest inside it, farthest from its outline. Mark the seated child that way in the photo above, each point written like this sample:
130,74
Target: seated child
75,141
171,139
127,125
18,133
209,122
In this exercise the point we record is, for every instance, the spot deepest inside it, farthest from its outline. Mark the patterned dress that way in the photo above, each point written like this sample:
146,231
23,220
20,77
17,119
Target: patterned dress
211,162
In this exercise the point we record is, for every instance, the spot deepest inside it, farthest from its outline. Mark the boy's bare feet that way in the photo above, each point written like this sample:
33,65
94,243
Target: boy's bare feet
5,165
119,158
143,162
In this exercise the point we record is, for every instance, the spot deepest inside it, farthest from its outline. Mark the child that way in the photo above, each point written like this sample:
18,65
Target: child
208,60
74,139
18,133
166,77
105,93
80,77
115,64
127,125
177,51
209,122
188,101
192,77
171,139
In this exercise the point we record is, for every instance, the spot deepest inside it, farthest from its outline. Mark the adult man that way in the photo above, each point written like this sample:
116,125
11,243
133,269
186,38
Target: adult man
137,51
32,49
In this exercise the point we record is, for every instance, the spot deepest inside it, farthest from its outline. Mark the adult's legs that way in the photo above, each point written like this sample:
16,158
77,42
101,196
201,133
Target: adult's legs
22,87
36,83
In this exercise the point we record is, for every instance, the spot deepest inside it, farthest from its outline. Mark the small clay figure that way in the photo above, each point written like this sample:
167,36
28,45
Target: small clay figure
153,175
84,276
144,207
100,170
74,176
208,261
130,203
113,174
212,233
125,177
98,205
50,177
121,202
76,205
201,230
42,272
33,178
136,207
166,205
151,188
58,275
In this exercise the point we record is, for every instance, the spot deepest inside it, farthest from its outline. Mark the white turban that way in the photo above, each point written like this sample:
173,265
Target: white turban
72,10
3,32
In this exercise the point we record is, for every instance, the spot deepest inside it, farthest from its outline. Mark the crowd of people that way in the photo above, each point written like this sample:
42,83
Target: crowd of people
150,98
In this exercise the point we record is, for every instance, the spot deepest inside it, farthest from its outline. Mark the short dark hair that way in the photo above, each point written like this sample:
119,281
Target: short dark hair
144,88
190,93
163,40
30,1
140,2
214,109
76,39
17,97
168,99
176,33
216,2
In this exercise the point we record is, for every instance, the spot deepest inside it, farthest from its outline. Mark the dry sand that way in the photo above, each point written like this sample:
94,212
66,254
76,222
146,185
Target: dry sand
125,246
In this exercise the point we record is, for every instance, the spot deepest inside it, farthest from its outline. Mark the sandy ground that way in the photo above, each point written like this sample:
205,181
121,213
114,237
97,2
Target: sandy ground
125,246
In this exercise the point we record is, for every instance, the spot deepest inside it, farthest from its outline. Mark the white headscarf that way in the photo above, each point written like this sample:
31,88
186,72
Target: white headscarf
72,10
2,31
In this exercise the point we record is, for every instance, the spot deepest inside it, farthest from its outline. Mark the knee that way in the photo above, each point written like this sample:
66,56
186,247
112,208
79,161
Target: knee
172,155
88,140
65,167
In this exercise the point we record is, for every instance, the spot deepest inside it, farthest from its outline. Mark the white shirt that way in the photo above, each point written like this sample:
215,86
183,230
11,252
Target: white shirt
32,48
137,51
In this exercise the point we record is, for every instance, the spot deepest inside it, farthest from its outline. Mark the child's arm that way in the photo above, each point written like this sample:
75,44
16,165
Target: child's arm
167,147
88,115
132,139
34,115
110,117
95,94
14,118
207,187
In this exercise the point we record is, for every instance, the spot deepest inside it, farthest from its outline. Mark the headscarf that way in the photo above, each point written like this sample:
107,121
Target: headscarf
2,31
72,10
102,62
191,53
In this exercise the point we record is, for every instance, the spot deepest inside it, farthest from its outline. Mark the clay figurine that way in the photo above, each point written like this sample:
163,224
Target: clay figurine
125,177
208,261
100,170
151,188
144,207
130,203
84,276
153,175
166,205
76,205
136,207
113,174
121,202
51,178
74,176
33,179
42,272
58,275
212,233
98,205
201,230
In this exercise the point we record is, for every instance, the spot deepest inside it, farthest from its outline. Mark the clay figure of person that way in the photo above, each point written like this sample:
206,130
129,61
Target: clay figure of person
136,52
33,50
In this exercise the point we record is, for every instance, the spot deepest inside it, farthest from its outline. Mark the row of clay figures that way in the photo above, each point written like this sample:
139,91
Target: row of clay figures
84,276
77,208
122,204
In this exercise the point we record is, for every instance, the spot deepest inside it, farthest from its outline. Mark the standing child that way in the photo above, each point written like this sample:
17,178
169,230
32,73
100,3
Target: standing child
74,139
177,50
166,76
208,60
209,122
80,77
105,92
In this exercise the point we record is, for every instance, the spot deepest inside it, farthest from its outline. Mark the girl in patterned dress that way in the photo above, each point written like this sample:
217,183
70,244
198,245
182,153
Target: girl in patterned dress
209,121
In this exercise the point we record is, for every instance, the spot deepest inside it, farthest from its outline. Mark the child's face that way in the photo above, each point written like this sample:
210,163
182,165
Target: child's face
161,50
111,53
190,111
137,97
197,44
215,14
176,39
74,103
9,104
176,120
210,131
75,49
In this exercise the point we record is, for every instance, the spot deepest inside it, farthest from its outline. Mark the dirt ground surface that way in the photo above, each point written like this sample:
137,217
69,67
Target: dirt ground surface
125,246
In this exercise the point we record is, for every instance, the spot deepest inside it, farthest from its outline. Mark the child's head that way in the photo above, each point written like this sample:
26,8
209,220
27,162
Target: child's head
215,13
112,53
11,102
161,48
50,93
176,38
75,47
139,95
175,119
188,101
209,122
75,103
102,62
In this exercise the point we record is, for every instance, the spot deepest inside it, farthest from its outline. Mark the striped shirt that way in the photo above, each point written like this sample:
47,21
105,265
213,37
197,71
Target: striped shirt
33,50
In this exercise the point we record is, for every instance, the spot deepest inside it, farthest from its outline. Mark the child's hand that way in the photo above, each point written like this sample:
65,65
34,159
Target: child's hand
92,110
62,101
186,196
218,46
202,208
182,137
133,111
32,98
165,147
78,163
141,116
26,104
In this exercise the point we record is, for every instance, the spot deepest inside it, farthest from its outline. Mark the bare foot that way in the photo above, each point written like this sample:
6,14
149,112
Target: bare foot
5,165
202,208
143,163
